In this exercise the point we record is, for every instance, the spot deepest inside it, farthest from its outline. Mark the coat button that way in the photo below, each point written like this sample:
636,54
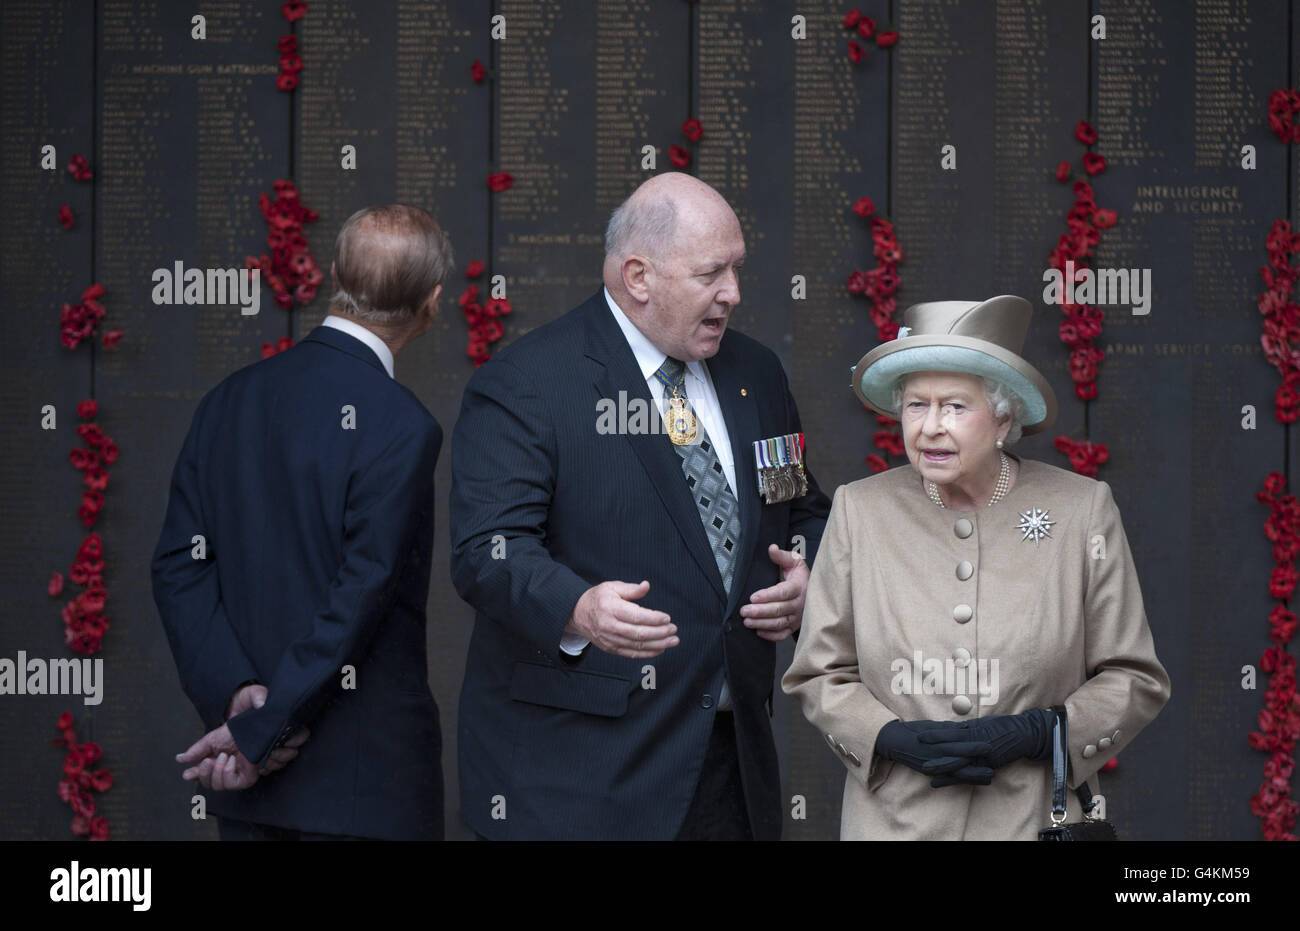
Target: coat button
962,613
1089,752
706,701
961,704
843,750
961,656
1103,743
855,759
830,739
963,528
965,570
1115,737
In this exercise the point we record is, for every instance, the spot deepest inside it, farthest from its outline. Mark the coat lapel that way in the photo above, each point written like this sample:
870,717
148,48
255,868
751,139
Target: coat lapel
618,371
742,428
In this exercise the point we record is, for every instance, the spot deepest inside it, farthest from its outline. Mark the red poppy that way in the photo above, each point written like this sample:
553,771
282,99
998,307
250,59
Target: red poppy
287,43
65,721
1281,582
500,181
1085,133
473,314
79,168
109,452
474,269
693,129
111,338
857,283
866,27
66,216
1086,391
889,441
884,421
290,62
80,825
1103,218
1274,482
1093,163
887,38
55,587
679,156
856,52
877,463
470,296
87,409
99,828
1063,171
286,81
477,73
293,10
863,207
887,331
101,780
851,18
1110,764
498,307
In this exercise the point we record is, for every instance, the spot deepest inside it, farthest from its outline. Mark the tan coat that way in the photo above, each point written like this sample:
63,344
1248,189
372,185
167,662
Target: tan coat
1062,617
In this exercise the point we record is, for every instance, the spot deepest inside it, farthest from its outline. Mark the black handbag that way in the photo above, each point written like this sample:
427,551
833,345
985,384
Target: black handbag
1091,827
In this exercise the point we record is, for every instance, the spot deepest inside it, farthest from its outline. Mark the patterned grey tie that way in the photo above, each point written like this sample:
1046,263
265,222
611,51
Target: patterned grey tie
714,499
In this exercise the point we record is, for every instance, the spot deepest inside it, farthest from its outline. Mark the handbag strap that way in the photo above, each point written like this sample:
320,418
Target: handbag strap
1059,761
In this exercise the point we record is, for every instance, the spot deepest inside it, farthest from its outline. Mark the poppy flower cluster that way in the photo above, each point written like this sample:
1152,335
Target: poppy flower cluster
80,780
83,617
290,61
1084,223
679,155
880,284
289,270
1282,108
280,345
1279,720
1085,457
1281,337
78,321
484,319
865,27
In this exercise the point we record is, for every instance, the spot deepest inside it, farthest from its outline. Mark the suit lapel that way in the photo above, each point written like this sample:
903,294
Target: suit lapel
742,429
618,371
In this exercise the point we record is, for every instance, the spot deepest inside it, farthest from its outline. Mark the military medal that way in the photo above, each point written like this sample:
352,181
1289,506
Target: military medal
779,461
680,420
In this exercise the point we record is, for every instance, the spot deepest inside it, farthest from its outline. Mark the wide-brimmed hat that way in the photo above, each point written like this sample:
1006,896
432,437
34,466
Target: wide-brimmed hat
981,338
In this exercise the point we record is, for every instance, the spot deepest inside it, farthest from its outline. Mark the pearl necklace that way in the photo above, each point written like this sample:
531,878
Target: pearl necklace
1004,481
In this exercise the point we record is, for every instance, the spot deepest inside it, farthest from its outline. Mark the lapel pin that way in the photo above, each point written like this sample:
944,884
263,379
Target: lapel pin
744,393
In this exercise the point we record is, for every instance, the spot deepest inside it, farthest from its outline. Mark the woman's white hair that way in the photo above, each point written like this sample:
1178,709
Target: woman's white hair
1003,402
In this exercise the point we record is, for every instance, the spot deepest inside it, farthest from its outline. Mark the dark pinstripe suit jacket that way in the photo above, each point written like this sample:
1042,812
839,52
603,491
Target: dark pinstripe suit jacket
319,549
543,506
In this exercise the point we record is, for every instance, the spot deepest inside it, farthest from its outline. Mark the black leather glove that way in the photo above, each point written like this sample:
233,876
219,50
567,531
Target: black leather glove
949,762
1011,737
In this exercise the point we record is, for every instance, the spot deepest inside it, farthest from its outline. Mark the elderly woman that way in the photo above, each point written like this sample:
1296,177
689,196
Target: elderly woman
953,603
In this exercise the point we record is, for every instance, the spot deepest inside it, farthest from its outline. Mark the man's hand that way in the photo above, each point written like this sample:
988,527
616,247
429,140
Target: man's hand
250,696
607,616
777,612
220,764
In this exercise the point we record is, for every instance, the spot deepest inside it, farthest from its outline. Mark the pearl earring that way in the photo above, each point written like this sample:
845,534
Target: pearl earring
999,444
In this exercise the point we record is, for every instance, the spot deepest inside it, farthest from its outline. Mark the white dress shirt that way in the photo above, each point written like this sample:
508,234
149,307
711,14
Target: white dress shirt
704,402
352,328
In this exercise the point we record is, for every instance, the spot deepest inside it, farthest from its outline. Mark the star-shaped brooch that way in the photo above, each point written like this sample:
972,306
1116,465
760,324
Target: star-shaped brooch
1034,524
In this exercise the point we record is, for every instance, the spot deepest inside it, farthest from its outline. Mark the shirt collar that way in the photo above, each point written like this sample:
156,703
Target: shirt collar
352,328
648,356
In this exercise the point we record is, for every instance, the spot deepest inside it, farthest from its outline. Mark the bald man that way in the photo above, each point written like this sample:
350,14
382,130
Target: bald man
629,582
298,623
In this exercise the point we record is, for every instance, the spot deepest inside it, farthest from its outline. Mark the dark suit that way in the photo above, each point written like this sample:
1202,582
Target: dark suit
319,543
577,748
